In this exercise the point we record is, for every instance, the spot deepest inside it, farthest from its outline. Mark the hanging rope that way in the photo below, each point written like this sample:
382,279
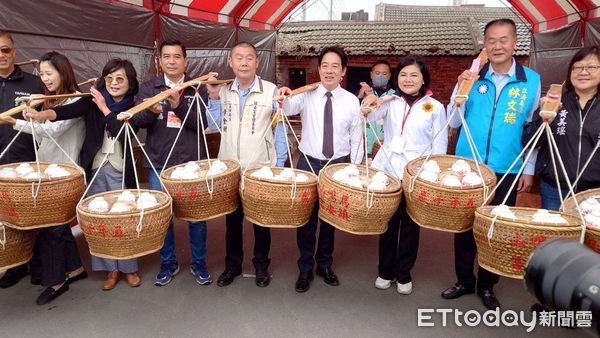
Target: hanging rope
587,163
535,140
571,191
139,226
3,238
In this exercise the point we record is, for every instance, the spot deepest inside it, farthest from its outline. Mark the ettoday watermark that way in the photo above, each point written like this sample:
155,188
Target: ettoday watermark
508,318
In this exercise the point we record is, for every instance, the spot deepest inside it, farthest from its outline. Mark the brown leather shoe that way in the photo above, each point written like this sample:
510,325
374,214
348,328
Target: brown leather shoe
133,279
111,280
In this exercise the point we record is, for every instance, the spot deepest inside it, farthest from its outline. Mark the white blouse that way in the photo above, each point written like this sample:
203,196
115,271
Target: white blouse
69,134
403,144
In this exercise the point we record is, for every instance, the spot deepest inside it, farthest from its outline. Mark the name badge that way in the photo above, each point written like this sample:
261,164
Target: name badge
108,144
173,121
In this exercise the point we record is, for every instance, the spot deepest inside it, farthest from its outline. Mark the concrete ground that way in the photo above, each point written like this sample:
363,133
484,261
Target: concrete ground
186,309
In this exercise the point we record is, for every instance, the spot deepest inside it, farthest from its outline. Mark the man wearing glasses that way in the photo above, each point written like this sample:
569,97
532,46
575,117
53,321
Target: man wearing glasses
14,83
500,103
162,122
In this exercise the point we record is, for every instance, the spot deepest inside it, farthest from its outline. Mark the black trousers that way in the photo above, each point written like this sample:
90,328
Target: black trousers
234,243
397,255
306,235
465,248
58,254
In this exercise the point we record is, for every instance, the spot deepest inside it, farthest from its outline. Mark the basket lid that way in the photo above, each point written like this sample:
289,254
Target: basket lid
74,171
393,186
204,165
312,178
445,162
111,197
523,217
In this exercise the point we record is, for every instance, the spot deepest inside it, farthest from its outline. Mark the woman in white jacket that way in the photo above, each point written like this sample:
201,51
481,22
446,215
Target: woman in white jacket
410,122
58,254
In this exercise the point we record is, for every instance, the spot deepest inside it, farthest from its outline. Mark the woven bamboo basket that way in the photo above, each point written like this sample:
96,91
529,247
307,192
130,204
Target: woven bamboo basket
16,246
512,242
114,235
53,205
193,200
269,203
592,234
345,207
441,208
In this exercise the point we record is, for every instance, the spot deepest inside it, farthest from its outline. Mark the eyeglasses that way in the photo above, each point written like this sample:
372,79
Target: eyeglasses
109,79
591,69
6,50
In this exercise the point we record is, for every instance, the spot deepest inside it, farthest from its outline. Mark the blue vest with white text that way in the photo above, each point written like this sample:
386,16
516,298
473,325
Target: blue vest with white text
497,127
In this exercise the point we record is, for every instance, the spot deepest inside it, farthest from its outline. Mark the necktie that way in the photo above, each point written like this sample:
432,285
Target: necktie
328,128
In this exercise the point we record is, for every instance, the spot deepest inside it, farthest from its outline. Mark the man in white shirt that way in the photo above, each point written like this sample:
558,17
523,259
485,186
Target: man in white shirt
331,132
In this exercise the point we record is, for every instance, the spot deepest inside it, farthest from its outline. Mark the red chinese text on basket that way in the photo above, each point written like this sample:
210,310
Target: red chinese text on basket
518,261
439,200
100,229
333,205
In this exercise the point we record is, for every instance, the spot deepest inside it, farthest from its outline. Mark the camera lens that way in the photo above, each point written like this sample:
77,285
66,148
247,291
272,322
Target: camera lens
565,275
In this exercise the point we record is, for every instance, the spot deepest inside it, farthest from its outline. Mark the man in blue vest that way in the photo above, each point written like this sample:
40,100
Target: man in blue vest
498,106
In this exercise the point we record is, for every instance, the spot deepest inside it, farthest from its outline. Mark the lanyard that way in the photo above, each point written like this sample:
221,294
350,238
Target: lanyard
406,114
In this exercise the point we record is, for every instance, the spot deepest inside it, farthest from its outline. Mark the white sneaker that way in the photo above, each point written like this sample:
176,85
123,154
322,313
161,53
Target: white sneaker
382,284
404,289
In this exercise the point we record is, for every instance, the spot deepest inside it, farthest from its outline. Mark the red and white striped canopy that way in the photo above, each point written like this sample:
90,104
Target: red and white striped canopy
546,14
257,14
268,14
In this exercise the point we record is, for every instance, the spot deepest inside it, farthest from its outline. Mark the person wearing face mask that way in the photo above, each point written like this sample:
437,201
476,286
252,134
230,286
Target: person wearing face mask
381,73
114,93
163,121
58,253
15,82
243,111
499,104
576,130
414,117
331,133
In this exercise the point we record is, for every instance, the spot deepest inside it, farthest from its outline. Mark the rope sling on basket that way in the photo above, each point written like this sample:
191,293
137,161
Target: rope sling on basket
359,210
506,236
38,199
140,229
443,191
202,189
278,197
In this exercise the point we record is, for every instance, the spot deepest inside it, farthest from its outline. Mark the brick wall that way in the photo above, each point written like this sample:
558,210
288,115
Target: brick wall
444,70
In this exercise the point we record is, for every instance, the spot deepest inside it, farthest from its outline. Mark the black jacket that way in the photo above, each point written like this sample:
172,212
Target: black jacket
566,129
19,83
95,124
160,138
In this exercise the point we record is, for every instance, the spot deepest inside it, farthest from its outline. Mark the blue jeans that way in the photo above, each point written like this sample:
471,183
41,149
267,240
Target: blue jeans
197,232
550,197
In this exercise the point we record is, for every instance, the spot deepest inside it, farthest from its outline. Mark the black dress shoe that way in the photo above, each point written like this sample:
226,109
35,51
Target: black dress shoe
80,276
488,298
262,278
456,291
13,276
328,276
49,294
227,277
303,282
